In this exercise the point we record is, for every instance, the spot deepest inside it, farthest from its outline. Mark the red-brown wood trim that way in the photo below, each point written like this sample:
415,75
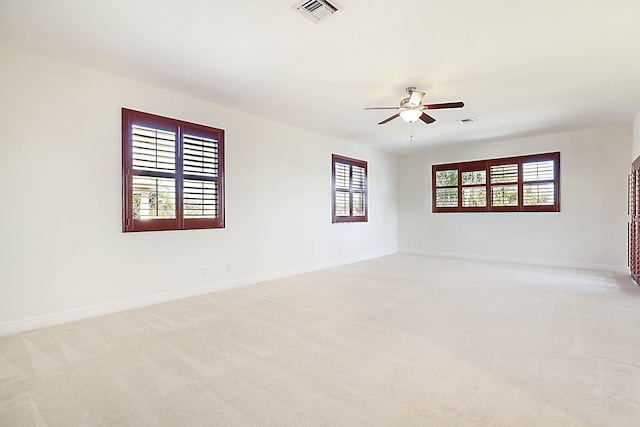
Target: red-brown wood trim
634,221
162,224
127,225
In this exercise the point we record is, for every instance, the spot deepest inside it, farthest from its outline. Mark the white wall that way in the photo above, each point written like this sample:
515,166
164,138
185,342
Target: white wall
62,252
590,231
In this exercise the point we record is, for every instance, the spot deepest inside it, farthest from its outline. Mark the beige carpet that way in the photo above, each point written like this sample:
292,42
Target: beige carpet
398,341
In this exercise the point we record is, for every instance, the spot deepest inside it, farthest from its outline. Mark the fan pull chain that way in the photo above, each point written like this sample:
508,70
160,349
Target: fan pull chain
411,132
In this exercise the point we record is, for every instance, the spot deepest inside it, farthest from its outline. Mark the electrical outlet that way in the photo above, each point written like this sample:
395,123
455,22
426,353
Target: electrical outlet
204,272
228,268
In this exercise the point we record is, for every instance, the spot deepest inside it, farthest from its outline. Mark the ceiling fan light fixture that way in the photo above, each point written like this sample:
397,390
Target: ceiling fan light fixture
410,116
415,97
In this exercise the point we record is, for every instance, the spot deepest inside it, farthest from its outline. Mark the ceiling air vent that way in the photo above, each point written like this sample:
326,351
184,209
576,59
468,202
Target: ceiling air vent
316,10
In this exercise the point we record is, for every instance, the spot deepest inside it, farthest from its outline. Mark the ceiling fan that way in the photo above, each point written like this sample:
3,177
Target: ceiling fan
412,108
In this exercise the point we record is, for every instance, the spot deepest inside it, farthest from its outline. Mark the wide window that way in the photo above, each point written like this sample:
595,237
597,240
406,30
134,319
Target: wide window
349,189
173,174
515,184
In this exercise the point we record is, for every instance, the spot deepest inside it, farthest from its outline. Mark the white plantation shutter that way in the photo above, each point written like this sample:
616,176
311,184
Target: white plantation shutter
154,198
474,188
504,185
153,149
504,173
538,188
504,195
200,199
357,204
200,191
538,194
200,155
342,176
358,187
538,171
474,196
447,197
446,188
153,152
342,204
475,177
341,196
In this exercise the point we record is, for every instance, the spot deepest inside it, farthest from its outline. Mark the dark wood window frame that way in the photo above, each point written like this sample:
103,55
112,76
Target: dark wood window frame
355,189
208,183
634,220
505,170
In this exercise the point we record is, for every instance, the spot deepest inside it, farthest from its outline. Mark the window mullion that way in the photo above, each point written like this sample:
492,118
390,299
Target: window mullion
180,177
520,188
350,191
460,189
489,190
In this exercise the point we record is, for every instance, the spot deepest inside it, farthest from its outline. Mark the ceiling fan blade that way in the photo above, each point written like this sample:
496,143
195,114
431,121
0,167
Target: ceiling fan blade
388,119
382,108
444,105
427,118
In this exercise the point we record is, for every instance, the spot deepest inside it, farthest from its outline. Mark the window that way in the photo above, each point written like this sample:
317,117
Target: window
172,173
515,184
349,189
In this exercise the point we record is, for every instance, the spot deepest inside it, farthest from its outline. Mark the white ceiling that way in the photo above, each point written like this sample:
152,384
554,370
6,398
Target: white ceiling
522,68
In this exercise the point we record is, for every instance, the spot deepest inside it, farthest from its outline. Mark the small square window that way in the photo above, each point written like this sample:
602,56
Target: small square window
173,174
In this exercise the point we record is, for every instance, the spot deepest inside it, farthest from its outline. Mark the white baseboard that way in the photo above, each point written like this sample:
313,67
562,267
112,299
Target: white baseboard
52,319
619,269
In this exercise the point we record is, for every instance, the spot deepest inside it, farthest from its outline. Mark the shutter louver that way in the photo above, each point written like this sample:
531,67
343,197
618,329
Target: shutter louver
474,177
474,197
447,178
154,198
342,202
200,199
358,178
153,149
474,190
538,171
447,197
342,176
358,184
504,195
538,189
200,156
200,160
504,173
358,204
538,194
